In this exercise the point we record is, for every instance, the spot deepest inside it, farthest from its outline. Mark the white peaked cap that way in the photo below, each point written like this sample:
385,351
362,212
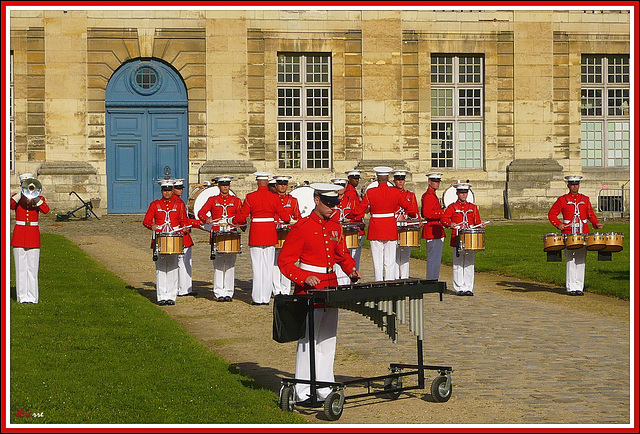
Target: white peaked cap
462,185
25,176
382,170
352,172
262,175
282,177
272,181
434,175
400,172
340,181
177,182
165,182
573,178
223,178
329,190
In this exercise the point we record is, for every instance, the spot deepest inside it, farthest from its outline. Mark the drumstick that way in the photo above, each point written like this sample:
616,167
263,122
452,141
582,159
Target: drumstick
475,226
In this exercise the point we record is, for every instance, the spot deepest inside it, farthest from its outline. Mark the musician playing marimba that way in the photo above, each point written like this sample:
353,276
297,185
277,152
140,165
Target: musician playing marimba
403,253
317,242
462,215
576,211
166,215
222,208
282,285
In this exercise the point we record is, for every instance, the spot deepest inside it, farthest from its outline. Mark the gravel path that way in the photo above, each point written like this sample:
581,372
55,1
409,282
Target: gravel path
522,352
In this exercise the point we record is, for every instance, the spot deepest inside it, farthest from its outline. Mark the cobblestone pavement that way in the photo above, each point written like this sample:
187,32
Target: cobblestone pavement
522,352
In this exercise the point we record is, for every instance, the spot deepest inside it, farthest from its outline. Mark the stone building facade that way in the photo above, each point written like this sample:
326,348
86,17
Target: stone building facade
496,97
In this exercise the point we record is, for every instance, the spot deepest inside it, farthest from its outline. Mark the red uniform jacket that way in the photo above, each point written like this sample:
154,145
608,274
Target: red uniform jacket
382,202
290,204
160,208
455,213
219,206
432,212
353,200
27,235
261,204
317,242
187,240
568,204
401,212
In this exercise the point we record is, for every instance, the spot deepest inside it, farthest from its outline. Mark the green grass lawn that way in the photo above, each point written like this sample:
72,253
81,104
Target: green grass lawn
517,250
94,351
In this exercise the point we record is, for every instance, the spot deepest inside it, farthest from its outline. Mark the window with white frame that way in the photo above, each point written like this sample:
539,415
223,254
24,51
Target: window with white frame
604,106
304,111
457,111
12,122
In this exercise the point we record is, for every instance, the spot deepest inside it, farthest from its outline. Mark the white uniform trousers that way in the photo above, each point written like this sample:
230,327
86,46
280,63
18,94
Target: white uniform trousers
27,263
167,277
262,265
281,285
341,276
434,258
185,282
224,274
403,257
325,330
383,254
463,270
576,260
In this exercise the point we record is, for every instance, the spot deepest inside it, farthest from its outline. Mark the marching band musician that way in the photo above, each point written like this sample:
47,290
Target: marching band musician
351,192
185,263
165,215
263,206
382,202
403,253
316,241
462,215
576,211
282,285
339,216
26,242
433,231
222,208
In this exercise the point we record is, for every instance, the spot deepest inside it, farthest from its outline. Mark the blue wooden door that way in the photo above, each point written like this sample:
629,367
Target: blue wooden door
146,132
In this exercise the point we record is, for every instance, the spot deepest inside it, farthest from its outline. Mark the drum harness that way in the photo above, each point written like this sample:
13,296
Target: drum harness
223,228
463,225
576,222
165,227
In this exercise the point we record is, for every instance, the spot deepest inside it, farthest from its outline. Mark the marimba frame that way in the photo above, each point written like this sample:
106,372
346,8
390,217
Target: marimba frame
441,387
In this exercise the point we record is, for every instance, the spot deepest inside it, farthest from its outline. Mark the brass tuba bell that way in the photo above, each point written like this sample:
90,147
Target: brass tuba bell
31,188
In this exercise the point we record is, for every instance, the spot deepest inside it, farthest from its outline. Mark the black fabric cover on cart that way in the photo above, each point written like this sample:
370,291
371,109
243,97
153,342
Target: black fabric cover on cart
289,317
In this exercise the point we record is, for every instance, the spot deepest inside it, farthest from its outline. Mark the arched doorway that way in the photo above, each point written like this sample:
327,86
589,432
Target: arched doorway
146,132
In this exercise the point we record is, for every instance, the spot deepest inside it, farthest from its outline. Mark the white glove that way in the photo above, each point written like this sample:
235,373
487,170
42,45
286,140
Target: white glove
292,221
16,197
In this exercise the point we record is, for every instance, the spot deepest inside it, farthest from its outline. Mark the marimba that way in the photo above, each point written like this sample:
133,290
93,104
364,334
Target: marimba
384,303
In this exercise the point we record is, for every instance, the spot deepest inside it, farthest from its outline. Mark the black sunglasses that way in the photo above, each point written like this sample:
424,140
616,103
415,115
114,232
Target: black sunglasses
224,183
282,182
167,188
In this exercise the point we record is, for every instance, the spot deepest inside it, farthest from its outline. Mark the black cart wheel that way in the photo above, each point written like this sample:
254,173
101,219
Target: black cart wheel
287,398
441,388
391,385
333,406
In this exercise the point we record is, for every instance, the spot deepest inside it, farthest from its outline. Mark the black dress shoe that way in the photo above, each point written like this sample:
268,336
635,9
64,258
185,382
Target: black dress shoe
220,299
572,293
470,293
170,302
227,298
579,293
461,293
162,302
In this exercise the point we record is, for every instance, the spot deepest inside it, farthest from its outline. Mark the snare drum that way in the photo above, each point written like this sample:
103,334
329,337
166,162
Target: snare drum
613,242
169,243
282,235
225,242
351,236
471,239
409,236
553,242
573,241
595,241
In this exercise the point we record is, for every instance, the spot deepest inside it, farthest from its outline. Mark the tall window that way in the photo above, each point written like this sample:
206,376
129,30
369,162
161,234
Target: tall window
304,111
605,121
12,121
457,111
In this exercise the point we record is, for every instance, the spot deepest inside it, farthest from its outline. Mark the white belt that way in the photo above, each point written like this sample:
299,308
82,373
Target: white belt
389,214
20,223
569,221
314,269
262,220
